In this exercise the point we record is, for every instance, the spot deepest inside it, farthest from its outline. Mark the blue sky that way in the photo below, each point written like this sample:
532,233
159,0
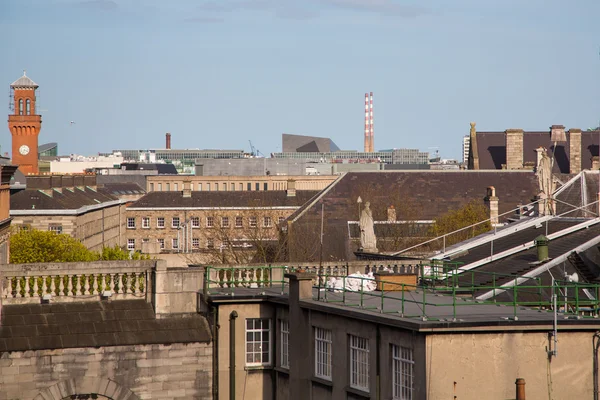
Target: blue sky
219,73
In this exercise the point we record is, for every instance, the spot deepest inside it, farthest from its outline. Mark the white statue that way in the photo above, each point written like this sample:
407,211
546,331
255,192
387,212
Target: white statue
368,240
545,182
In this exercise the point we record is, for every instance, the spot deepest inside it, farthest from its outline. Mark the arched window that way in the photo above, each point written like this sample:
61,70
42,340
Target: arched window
21,107
28,105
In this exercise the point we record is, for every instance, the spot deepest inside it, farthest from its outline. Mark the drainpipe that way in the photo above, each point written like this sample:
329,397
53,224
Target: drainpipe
378,364
520,388
232,317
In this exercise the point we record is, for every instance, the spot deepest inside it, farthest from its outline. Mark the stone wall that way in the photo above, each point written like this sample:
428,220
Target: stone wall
575,151
177,371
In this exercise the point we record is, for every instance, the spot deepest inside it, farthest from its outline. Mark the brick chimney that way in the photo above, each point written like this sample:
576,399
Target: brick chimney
187,188
291,188
575,150
391,214
491,202
168,141
514,148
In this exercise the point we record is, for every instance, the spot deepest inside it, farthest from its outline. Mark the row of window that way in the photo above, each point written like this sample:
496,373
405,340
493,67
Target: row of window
28,104
258,353
225,222
210,243
216,186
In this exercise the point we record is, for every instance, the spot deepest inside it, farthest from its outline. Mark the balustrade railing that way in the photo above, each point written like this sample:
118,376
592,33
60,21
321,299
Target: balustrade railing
29,283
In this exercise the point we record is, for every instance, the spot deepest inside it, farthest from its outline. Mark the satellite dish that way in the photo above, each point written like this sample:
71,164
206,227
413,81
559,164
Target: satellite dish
572,278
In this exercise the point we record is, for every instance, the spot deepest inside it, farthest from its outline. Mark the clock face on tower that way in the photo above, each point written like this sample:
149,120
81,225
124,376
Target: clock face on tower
24,150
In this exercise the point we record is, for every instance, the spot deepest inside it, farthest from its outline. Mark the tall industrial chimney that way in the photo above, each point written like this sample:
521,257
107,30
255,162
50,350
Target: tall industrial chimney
367,140
168,141
372,134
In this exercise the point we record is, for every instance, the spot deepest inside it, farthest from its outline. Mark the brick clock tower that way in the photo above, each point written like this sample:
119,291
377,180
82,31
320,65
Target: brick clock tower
24,125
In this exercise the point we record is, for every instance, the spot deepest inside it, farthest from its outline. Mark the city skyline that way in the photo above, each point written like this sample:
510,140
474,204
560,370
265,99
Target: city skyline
218,75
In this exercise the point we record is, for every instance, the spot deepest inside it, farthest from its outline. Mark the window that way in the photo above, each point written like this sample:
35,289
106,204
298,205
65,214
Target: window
258,343
249,186
199,187
191,187
146,222
267,222
225,222
175,223
152,187
210,222
252,221
233,186
280,220
56,228
130,223
175,186
130,244
241,187
257,186
175,243
160,187
168,189
195,243
195,222
210,243
208,187
160,222
239,222
266,186
323,353
359,363
28,106
285,340
217,187
161,243
402,373
21,107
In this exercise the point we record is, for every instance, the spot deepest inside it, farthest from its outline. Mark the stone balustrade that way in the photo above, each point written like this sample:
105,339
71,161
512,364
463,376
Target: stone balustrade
66,282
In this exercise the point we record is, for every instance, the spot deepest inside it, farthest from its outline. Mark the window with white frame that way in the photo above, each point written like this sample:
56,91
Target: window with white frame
175,187
359,363
267,222
160,222
195,222
402,373
239,222
323,353
225,222
146,222
175,243
130,244
195,243
130,223
56,228
284,328
258,341
253,222
210,222
161,242
175,223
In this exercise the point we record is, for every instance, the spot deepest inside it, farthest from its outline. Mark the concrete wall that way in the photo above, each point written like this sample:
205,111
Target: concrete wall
486,365
251,382
178,371
177,289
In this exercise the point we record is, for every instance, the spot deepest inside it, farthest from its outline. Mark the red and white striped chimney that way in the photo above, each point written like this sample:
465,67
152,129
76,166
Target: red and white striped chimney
367,131
372,134
168,141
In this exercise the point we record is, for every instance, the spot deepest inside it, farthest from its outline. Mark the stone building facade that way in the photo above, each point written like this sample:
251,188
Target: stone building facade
223,222
6,172
70,204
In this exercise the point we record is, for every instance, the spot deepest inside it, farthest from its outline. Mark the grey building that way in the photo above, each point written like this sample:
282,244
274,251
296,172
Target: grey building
306,144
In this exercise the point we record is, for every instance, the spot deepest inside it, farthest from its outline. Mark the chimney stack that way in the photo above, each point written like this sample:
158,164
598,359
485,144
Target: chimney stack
491,201
367,130
514,148
575,150
168,141
372,134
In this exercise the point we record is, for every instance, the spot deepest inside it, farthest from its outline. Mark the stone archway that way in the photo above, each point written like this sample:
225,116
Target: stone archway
87,389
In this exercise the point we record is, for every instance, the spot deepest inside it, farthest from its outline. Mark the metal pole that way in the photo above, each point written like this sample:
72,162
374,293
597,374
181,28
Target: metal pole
232,317
321,247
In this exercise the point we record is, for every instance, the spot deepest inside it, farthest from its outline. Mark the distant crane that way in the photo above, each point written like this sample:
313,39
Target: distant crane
253,150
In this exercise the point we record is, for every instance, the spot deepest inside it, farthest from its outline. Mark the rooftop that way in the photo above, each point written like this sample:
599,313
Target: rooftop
24,82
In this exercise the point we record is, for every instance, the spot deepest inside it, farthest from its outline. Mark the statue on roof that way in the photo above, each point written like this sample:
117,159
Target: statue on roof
545,181
368,240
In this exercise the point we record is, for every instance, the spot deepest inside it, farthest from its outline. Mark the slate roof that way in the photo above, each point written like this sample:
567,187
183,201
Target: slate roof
120,189
163,169
139,179
24,81
270,198
416,195
92,324
69,199
491,147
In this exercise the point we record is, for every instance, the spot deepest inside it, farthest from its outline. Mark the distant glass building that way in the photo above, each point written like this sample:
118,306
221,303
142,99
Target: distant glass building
394,156
48,150
175,154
